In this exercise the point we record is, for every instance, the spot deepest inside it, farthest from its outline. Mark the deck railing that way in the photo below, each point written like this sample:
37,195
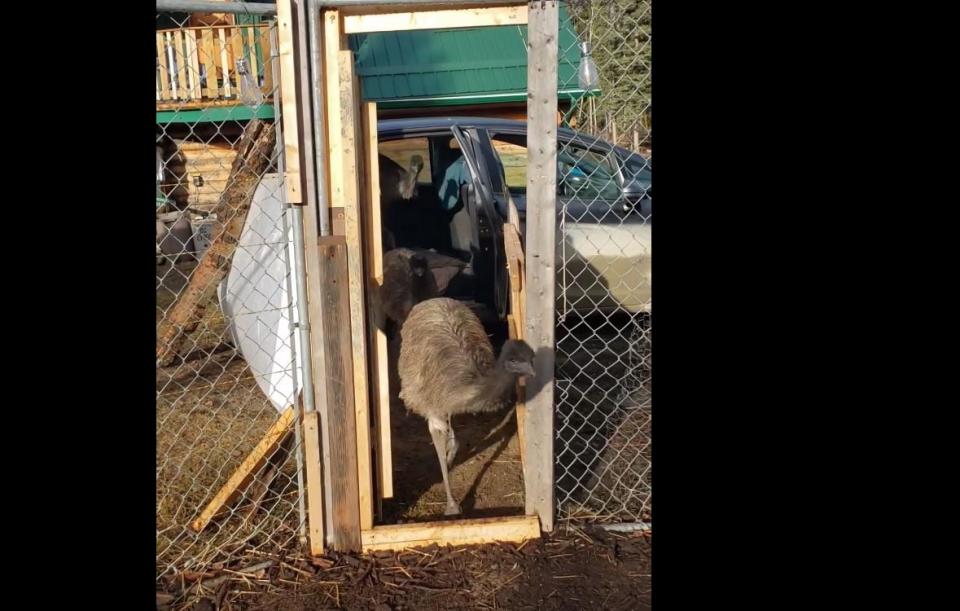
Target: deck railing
199,64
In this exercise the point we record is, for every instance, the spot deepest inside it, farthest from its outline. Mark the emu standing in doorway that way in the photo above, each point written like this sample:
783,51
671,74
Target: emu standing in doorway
447,367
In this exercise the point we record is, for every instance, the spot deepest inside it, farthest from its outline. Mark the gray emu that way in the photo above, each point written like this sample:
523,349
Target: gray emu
447,367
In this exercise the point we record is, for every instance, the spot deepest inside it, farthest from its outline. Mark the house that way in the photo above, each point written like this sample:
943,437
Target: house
477,71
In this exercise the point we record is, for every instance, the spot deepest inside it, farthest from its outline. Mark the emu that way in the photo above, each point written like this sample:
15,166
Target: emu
447,367
396,184
407,281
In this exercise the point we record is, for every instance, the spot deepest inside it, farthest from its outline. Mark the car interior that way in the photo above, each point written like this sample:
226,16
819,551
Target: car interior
442,222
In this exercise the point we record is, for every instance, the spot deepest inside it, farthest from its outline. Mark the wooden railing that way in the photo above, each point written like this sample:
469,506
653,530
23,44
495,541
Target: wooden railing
197,66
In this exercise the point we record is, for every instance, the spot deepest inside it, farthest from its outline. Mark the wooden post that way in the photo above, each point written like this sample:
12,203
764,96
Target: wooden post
344,483
314,422
331,36
378,343
349,125
314,480
542,33
289,108
514,252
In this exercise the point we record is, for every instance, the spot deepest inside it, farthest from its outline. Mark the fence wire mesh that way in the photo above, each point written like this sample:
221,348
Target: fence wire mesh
226,352
603,350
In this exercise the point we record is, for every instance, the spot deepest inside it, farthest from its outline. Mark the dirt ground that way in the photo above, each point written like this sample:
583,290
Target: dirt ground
580,569
211,397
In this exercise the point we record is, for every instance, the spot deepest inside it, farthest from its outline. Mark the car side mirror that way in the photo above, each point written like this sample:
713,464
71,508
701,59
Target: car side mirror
635,190
636,197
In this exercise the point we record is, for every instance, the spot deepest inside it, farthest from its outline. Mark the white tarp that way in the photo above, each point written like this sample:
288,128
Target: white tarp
258,294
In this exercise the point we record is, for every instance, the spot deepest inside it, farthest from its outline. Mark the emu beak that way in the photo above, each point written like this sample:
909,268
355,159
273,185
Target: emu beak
527,370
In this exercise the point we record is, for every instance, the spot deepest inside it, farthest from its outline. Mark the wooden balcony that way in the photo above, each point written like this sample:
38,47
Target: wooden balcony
197,66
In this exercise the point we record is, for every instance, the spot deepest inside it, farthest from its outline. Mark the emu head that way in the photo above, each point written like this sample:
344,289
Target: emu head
517,357
408,182
418,265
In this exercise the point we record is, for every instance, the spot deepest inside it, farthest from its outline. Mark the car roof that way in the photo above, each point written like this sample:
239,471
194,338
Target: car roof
397,127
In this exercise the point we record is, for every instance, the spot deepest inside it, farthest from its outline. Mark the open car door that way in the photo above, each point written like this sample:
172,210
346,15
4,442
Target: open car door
487,193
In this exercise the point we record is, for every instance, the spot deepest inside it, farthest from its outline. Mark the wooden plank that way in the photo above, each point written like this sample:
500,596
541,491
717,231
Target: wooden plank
430,20
513,329
267,60
374,254
224,62
349,112
251,33
164,76
515,271
193,64
188,73
344,482
244,473
306,147
288,101
236,52
332,40
451,532
209,59
180,69
314,480
236,49
541,248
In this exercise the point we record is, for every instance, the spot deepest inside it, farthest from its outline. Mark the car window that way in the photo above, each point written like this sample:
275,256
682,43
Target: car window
403,150
513,158
637,167
586,173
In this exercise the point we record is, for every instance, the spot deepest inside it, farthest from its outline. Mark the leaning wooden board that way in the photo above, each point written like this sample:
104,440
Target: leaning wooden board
517,316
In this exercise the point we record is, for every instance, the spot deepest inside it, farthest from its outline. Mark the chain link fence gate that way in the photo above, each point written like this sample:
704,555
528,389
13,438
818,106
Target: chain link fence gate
603,350
227,371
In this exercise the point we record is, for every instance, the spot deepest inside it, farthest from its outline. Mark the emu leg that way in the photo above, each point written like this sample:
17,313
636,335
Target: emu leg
452,444
438,432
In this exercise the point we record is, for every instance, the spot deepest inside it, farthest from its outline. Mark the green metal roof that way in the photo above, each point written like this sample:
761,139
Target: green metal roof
462,66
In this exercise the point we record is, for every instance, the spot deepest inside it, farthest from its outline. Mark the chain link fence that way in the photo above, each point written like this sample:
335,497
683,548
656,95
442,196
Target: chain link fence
603,351
227,371
228,481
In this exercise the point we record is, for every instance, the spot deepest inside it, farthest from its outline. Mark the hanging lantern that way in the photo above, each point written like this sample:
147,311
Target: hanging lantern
587,76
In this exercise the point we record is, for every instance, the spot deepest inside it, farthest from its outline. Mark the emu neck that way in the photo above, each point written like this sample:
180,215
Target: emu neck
496,388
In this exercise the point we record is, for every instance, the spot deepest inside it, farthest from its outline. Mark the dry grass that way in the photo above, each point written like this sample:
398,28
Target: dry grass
210,415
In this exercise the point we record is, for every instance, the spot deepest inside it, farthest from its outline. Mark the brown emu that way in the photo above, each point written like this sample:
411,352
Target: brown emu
406,282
